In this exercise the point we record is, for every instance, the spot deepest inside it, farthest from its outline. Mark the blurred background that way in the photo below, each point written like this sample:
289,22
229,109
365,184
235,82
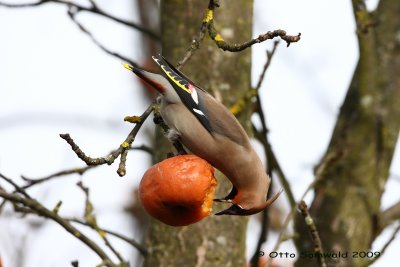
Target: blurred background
54,79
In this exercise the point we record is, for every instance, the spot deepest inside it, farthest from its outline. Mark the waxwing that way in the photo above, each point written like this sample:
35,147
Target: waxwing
209,130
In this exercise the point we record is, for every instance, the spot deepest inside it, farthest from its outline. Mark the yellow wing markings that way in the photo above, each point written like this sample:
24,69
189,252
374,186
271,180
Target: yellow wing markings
174,79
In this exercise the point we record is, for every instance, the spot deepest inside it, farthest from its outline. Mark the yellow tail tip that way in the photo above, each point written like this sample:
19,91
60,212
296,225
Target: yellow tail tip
127,66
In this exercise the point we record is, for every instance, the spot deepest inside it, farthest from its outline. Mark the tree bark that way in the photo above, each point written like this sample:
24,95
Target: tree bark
348,194
217,240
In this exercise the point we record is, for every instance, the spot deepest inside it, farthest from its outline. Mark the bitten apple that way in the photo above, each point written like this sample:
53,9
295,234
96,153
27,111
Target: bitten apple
179,190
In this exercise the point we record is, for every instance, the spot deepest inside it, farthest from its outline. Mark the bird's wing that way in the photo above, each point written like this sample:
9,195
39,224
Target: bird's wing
187,91
217,119
223,121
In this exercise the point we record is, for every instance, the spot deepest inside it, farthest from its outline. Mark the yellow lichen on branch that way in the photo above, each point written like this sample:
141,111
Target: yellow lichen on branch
208,16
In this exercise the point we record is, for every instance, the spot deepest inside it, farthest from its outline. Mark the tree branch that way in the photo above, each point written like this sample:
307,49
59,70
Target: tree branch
364,19
113,155
72,12
200,36
314,232
270,167
221,43
91,221
32,182
40,210
128,240
17,188
92,9
388,216
262,137
385,246
208,25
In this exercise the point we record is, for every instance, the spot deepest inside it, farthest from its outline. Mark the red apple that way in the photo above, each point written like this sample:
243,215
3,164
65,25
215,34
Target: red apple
178,191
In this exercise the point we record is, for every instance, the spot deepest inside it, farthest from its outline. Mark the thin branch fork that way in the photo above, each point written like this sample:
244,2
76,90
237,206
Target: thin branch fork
122,150
79,170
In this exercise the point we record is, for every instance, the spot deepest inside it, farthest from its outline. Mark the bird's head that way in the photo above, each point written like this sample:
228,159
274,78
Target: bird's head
248,206
236,209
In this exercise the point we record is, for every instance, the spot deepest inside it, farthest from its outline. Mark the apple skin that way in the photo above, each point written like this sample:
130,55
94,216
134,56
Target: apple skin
179,190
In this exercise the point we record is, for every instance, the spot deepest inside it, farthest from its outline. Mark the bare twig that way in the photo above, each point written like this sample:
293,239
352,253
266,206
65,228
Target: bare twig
270,166
92,9
221,43
270,54
282,237
91,221
72,12
386,245
16,187
128,240
36,207
282,177
200,36
113,155
389,215
275,164
208,25
81,170
262,137
314,232
254,261
32,182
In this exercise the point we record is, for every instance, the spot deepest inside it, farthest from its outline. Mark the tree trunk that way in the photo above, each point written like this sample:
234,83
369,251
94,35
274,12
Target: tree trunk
346,207
217,240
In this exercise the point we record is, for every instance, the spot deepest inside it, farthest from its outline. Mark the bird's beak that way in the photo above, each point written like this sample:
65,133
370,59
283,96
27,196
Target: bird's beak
232,210
150,78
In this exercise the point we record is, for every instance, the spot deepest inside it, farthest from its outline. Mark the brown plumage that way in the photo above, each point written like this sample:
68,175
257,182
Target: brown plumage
209,130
